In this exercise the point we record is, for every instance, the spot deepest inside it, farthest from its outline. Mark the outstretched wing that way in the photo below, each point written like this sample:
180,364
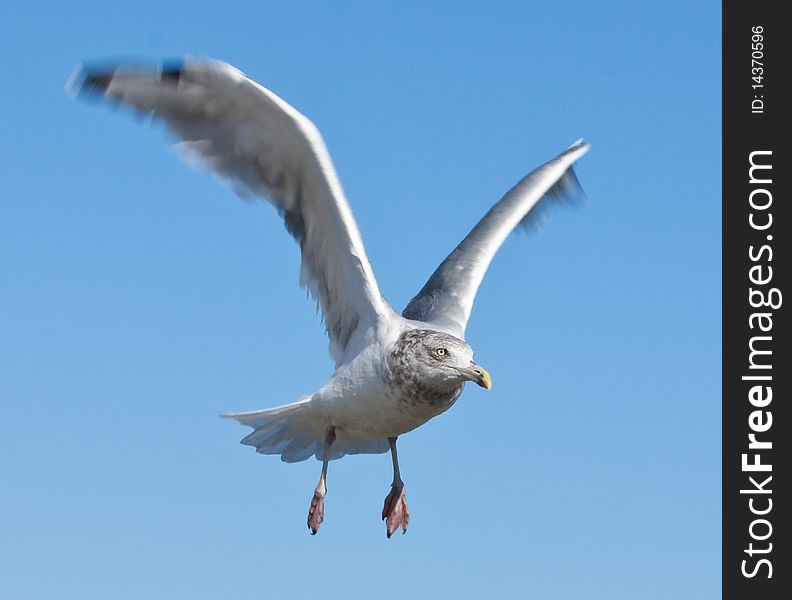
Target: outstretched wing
447,298
262,147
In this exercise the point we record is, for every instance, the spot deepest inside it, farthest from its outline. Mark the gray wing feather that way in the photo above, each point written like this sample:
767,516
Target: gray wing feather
263,147
447,298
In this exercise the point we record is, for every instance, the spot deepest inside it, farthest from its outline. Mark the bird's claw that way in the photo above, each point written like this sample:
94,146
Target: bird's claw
395,512
316,512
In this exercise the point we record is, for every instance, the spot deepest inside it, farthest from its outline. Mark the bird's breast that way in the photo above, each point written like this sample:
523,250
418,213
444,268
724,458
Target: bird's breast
374,397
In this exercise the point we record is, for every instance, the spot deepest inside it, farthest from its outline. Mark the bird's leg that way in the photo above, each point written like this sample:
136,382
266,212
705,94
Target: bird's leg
316,512
395,511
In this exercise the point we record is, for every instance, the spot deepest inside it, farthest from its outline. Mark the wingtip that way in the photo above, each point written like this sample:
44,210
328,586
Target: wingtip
172,69
76,82
91,80
579,146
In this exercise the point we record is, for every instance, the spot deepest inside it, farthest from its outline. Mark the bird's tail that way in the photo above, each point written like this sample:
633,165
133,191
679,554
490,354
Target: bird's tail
290,430
296,432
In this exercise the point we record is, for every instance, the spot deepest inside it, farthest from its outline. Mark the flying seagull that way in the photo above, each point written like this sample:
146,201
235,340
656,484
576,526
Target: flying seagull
393,372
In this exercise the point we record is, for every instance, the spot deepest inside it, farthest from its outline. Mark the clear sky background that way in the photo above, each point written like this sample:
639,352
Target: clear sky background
139,298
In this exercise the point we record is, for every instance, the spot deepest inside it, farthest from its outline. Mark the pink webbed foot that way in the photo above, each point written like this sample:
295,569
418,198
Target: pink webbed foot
316,512
395,512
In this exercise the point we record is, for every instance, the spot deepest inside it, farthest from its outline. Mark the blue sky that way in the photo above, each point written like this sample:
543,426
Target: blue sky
139,299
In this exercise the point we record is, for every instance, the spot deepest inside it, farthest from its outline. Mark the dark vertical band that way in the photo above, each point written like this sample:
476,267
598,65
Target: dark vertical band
757,366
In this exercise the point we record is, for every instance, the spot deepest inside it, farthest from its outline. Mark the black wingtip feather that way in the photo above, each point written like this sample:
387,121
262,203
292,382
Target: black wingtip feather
566,192
91,80
86,84
172,70
96,83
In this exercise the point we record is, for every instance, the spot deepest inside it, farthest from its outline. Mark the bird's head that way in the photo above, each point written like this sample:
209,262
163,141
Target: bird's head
440,359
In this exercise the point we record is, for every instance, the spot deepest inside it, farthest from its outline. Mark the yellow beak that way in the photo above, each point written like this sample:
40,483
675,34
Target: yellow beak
479,375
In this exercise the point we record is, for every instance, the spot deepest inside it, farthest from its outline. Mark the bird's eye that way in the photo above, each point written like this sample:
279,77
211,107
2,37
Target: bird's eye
441,352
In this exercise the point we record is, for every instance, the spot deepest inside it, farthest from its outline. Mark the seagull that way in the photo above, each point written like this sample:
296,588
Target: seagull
393,372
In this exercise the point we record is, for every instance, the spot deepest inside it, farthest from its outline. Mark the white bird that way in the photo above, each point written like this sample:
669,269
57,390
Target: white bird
393,372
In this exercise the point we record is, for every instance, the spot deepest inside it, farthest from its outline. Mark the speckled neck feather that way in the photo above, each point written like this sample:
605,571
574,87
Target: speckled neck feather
405,382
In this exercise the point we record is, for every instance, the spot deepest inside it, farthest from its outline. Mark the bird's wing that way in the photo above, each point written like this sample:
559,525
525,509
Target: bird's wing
447,298
261,146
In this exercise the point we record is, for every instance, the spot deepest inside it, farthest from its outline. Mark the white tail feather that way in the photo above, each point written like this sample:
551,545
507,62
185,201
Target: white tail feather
295,432
289,430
